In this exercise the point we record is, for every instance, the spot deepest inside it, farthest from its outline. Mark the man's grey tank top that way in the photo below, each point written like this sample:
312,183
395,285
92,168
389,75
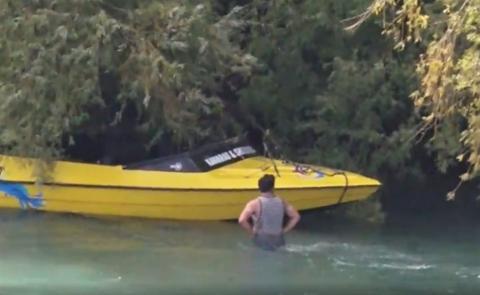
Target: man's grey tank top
270,219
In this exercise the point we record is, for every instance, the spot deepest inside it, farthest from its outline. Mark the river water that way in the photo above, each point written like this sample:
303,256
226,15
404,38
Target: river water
69,254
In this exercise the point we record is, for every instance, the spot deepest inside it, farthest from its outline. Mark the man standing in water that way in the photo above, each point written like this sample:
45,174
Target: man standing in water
263,216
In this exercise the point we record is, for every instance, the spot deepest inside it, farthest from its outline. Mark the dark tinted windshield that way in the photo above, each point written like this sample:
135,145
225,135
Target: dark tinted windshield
199,160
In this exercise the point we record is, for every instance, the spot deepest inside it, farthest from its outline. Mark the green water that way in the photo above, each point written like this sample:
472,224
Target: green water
68,254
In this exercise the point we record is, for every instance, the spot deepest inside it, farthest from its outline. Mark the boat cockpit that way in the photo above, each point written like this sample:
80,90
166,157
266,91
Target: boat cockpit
203,159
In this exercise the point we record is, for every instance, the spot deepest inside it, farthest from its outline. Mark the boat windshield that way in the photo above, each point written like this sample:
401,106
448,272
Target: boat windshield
204,159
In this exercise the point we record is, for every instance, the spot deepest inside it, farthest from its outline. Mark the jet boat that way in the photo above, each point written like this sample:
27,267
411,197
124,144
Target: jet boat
210,183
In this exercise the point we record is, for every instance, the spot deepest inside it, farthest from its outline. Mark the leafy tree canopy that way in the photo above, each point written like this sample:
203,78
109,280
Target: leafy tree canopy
448,97
93,67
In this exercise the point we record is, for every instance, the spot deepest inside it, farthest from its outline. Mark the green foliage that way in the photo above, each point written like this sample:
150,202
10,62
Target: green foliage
449,92
77,66
329,97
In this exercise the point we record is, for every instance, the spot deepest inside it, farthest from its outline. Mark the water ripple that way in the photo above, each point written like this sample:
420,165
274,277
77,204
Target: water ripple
401,266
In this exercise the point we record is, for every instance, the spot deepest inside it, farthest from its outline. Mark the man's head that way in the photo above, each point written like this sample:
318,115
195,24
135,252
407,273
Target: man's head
266,183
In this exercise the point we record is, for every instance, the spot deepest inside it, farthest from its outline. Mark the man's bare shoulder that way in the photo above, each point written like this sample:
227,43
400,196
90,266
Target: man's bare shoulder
250,208
253,204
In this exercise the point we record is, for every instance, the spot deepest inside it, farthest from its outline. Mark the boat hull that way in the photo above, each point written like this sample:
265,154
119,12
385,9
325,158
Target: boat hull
218,194
186,204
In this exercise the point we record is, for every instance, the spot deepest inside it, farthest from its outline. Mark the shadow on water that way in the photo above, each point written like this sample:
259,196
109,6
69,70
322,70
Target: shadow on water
327,254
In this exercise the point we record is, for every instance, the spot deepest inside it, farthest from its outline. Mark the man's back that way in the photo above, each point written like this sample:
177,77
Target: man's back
268,224
267,213
270,215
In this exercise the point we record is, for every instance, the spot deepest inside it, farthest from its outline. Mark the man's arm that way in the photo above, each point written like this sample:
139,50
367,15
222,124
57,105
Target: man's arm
293,217
244,219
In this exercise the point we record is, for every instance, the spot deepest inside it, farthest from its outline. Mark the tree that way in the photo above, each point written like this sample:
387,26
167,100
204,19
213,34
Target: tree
448,97
90,67
328,96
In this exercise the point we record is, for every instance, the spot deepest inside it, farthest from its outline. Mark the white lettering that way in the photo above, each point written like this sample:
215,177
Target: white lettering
229,155
217,159
244,150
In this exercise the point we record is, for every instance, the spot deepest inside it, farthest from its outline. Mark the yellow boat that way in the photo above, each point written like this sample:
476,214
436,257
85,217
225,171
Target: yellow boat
211,183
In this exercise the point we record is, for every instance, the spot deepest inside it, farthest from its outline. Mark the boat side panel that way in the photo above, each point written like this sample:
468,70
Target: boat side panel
172,204
241,175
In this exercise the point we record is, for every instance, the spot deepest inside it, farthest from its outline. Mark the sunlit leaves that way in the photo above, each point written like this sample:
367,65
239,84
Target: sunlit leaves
448,69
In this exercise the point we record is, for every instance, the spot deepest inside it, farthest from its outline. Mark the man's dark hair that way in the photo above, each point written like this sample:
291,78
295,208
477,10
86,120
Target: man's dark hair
266,183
